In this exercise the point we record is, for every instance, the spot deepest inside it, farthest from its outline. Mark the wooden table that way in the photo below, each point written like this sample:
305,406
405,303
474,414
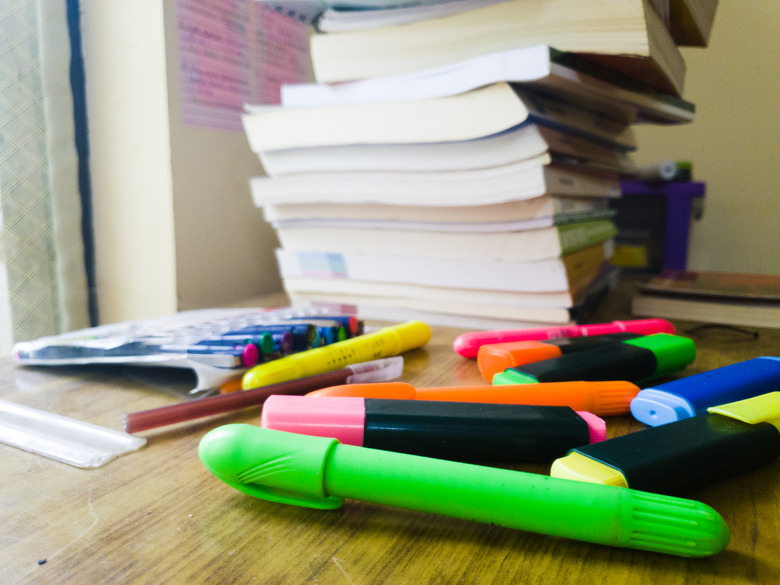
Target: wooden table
157,516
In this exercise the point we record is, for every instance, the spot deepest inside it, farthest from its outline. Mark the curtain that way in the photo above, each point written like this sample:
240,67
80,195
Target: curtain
43,283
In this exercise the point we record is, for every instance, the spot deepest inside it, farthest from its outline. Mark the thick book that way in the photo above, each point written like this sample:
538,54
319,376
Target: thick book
465,223
727,298
469,309
537,68
473,242
542,211
689,21
625,35
517,144
539,276
522,180
365,309
331,290
341,18
720,312
310,11
476,308
474,114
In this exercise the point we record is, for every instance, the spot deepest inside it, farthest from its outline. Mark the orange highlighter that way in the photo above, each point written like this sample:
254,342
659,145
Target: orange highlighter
600,398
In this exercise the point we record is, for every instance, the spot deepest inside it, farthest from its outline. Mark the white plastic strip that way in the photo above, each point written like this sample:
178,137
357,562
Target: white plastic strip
61,438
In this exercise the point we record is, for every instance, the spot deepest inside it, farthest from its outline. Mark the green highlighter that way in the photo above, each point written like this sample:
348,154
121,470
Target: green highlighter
319,472
633,360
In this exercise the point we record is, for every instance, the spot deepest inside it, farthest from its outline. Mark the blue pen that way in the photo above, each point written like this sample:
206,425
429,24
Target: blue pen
687,397
331,329
278,341
264,342
350,323
247,354
305,335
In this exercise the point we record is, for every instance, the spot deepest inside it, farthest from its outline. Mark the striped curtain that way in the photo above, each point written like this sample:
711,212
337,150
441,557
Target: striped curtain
43,285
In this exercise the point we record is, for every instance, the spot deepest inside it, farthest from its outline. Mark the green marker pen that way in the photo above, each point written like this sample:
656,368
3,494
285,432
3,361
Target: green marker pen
633,360
319,472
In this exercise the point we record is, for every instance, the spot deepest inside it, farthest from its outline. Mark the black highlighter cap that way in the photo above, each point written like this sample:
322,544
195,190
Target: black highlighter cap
463,431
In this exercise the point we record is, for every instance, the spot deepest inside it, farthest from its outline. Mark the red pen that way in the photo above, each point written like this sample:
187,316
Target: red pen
373,371
468,344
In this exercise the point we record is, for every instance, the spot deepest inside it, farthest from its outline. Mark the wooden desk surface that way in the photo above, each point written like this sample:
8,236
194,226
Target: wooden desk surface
157,515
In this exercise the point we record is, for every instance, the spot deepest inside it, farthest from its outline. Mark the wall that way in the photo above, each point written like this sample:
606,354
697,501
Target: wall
126,88
224,249
734,142
174,224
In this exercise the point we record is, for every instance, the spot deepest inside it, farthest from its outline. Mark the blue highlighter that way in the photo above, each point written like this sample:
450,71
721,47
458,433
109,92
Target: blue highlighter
687,397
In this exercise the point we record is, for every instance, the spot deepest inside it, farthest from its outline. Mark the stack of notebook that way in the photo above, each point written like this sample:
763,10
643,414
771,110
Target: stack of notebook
455,167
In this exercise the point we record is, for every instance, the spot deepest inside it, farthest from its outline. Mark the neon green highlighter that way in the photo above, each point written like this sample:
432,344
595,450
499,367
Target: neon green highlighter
319,472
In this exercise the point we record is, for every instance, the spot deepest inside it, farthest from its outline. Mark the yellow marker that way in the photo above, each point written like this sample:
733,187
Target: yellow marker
386,342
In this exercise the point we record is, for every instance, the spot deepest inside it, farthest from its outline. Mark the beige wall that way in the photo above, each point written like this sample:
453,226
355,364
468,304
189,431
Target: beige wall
175,227
224,248
124,60
734,142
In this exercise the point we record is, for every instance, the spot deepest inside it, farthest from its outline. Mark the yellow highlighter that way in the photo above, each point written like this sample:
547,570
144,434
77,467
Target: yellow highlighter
386,342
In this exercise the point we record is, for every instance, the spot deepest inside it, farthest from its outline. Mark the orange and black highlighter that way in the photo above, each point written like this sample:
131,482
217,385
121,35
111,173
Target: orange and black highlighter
600,398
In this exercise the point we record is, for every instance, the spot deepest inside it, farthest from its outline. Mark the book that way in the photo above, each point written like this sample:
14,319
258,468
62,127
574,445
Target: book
720,285
568,299
473,114
689,21
462,226
538,211
736,313
538,276
341,18
366,310
332,290
462,308
537,68
625,35
517,144
521,180
479,308
473,242
712,297
309,11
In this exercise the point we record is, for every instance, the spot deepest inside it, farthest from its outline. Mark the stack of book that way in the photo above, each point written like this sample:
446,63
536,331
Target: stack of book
456,168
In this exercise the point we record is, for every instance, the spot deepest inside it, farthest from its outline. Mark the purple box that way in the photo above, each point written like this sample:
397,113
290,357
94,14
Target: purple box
679,205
